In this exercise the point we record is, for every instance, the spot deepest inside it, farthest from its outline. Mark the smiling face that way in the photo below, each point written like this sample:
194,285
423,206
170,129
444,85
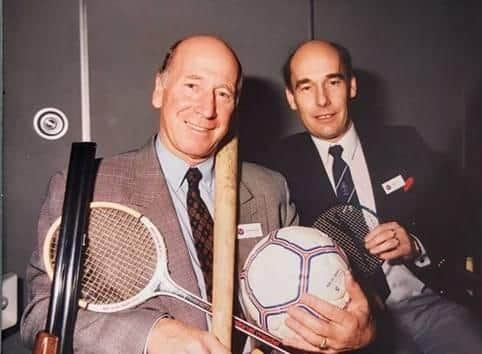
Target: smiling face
196,96
320,90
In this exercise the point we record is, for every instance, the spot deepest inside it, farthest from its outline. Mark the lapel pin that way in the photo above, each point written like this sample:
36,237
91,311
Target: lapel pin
408,184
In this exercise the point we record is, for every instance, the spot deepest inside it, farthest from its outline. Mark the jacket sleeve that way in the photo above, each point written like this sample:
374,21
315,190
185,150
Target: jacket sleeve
441,217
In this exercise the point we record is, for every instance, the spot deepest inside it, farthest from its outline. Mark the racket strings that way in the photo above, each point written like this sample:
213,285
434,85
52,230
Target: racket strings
348,226
119,258
358,224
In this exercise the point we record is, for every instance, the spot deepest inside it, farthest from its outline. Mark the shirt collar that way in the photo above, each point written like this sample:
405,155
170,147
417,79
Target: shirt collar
349,142
175,168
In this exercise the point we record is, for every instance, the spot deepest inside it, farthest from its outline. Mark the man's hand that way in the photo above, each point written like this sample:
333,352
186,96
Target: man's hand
391,241
172,336
336,330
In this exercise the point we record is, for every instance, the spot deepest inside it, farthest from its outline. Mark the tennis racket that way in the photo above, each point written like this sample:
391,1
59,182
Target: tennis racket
125,264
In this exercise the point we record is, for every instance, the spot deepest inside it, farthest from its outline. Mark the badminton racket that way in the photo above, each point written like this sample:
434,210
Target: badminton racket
348,225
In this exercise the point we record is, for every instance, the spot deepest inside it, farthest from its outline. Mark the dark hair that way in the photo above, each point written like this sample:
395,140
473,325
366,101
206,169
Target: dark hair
343,53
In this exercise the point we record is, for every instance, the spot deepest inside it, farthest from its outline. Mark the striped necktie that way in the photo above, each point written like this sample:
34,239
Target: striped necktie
369,266
345,189
201,225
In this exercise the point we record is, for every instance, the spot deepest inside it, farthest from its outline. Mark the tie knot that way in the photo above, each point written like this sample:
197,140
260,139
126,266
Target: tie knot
193,177
335,151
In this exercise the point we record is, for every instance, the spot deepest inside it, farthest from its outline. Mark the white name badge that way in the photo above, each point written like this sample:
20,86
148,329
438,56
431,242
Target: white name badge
393,184
249,230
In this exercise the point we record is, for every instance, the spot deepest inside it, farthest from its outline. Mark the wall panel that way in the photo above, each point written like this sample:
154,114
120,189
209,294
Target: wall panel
418,64
41,70
410,57
127,40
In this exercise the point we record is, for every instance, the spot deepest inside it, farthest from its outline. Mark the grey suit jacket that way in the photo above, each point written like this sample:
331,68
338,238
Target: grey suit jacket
136,180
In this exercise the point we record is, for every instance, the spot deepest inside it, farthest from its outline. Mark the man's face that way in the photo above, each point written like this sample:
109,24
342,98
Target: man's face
196,96
320,91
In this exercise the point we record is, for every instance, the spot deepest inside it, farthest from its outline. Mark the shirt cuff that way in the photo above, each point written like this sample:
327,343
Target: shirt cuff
422,259
163,316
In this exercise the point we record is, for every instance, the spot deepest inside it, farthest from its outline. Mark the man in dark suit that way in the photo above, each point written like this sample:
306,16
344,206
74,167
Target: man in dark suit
196,92
390,171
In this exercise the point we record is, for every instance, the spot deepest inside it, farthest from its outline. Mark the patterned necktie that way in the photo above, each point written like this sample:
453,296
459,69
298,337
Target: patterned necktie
369,266
345,189
201,226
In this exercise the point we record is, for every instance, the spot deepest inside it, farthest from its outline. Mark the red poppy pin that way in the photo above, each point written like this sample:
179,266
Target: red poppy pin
409,182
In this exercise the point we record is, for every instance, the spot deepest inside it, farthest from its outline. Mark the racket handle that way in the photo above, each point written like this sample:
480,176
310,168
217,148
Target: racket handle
240,324
259,334
45,343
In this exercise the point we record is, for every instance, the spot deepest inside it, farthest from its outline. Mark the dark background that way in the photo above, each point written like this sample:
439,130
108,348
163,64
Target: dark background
418,64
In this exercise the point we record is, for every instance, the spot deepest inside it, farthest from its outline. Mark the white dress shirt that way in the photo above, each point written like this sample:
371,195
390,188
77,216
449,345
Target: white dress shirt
401,281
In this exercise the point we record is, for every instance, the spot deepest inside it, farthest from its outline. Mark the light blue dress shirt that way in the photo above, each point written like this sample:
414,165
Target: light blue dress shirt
175,169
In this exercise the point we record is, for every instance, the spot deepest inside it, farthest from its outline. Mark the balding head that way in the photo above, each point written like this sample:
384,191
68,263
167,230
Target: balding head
202,43
320,48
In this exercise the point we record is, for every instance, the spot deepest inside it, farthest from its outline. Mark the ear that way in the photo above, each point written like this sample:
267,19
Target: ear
158,93
353,87
291,99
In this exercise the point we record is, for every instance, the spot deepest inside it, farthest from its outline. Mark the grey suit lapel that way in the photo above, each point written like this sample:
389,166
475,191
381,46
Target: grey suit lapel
248,208
250,211
151,196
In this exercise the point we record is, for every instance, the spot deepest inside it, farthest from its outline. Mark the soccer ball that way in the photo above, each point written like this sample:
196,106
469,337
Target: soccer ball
283,266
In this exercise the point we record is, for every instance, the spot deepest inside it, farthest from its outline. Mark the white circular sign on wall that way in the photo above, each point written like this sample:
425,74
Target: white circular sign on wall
50,123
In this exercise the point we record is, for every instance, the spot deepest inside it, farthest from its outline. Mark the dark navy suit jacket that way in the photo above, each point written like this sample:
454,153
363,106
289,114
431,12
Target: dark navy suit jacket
432,209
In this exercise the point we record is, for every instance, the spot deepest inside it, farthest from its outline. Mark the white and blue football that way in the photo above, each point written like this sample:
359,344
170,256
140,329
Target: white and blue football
283,266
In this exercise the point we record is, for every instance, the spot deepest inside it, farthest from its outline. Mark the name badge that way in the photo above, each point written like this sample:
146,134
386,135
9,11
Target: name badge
249,230
393,184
